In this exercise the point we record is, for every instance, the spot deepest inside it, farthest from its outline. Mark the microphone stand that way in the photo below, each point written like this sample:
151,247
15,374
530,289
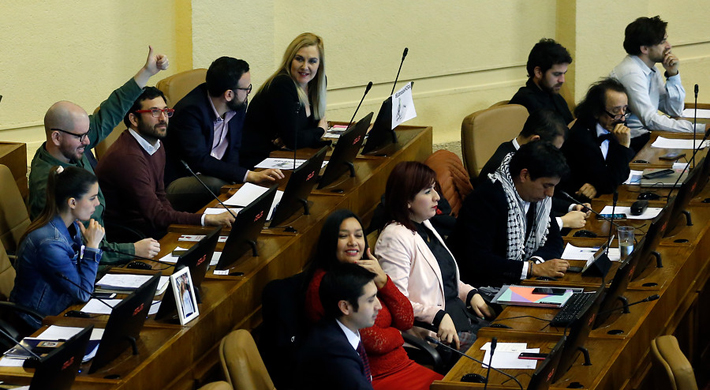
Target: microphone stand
404,55
295,135
695,121
367,89
494,343
207,188
570,197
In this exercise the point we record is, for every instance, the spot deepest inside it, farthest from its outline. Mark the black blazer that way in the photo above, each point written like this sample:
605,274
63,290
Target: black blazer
480,240
276,112
587,164
534,98
190,136
328,361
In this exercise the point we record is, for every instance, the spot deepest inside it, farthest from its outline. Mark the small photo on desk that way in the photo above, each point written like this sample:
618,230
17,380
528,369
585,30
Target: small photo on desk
184,293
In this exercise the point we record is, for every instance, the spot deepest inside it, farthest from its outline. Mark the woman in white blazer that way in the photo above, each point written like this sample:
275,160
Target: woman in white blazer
417,260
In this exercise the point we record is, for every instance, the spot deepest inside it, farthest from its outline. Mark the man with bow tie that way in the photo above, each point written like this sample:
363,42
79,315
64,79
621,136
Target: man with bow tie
598,147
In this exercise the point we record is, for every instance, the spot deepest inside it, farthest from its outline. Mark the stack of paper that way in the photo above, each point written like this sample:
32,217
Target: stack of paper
94,306
54,334
506,356
122,283
248,193
586,253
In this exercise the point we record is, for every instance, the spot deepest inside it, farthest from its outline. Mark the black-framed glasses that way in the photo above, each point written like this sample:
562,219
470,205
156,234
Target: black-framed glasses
247,89
82,137
155,112
616,117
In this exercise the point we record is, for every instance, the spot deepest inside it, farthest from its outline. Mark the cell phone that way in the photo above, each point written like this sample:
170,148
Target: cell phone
105,295
549,291
532,356
672,156
609,216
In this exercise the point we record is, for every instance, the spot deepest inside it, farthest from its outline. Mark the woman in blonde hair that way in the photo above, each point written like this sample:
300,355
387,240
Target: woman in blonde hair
57,253
288,111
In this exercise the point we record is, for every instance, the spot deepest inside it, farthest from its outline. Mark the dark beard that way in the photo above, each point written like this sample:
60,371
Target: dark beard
236,106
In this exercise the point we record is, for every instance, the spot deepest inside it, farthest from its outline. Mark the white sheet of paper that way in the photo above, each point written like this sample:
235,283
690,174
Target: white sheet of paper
198,237
94,306
506,347
650,213
508,360
245,195
572,252
129,281
673,143
279,163
690,113
7,362
56,332
215,258
403,106
169,258
634,177
220,210
679,166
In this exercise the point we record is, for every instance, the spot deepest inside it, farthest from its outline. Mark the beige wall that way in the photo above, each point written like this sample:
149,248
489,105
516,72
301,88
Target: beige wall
463,55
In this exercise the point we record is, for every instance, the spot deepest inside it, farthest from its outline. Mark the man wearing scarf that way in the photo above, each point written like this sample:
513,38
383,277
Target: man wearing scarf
504,232
598,148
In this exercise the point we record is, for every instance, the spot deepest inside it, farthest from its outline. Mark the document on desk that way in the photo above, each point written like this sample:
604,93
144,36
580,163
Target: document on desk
572,252
282,163
94,306
403,106
198,237
634,177
248,193
650,213
506,356
129,282
220,210
675,143
689,113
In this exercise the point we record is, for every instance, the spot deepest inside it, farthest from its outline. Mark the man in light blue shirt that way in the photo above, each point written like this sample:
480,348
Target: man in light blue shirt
646,43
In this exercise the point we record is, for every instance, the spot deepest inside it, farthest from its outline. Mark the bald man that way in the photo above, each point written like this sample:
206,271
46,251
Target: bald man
70,131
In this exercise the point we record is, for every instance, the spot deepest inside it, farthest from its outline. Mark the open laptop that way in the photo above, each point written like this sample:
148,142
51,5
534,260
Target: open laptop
198,257
346,149
124,324
382,134
654,234
666,181
542,377
246,228
299,186
614,295
58,369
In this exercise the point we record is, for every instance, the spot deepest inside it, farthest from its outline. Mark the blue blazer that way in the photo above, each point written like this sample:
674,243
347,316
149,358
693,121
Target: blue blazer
190,136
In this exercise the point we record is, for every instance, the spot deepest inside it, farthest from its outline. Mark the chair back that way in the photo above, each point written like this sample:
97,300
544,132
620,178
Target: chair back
221,385
669,358
452,177
102,147
7,275
483,131
175,87
242,364
14,218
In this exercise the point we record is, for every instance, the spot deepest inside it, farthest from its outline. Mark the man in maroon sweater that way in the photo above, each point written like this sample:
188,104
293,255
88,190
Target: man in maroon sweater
131,174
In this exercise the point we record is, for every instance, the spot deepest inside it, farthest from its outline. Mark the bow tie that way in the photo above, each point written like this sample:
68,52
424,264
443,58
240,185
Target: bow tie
604,137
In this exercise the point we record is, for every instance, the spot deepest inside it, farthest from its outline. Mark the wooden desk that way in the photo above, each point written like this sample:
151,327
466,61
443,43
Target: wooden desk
178,357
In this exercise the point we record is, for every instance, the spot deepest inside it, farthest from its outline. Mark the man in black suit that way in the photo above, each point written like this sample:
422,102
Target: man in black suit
505,231
544,125
332,356
598,149
547,65
206,133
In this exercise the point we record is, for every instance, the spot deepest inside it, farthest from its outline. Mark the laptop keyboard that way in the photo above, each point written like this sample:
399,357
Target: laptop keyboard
571,310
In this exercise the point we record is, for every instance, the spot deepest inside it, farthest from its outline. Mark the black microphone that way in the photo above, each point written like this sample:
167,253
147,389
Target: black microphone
494,343
615,198
695,121
30,362
107,249
367,89
404,55
437,342
625,307
570,197
295,135
91,293
207,188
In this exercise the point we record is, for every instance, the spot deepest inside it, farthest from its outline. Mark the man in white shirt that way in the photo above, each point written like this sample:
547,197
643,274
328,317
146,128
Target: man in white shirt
646,43
332,356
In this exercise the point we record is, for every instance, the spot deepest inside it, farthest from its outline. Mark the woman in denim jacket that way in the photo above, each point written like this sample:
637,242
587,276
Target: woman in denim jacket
58,246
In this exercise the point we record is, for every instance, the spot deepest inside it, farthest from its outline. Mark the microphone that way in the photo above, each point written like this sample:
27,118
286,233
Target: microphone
695,121
367,89
30,362
207,188
570,197
625,307
494,343
404,55
615,198
437,342
295,136
91,293
106,249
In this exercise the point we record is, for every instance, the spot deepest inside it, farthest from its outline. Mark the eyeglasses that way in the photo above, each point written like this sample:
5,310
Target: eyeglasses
247,89
157,111
615,117
82,137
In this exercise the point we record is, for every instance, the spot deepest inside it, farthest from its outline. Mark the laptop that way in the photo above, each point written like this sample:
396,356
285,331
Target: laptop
382,134
542,377
345,151
614,295
666,181
124,324
246,228
299,186
198,257
58,369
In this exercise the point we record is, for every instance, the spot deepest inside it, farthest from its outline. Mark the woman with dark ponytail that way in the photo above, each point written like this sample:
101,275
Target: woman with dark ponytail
58,246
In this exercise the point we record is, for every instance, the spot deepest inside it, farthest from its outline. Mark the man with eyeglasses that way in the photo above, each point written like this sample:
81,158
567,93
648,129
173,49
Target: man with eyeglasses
206,133
598,147
70,132
132,170
646,43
